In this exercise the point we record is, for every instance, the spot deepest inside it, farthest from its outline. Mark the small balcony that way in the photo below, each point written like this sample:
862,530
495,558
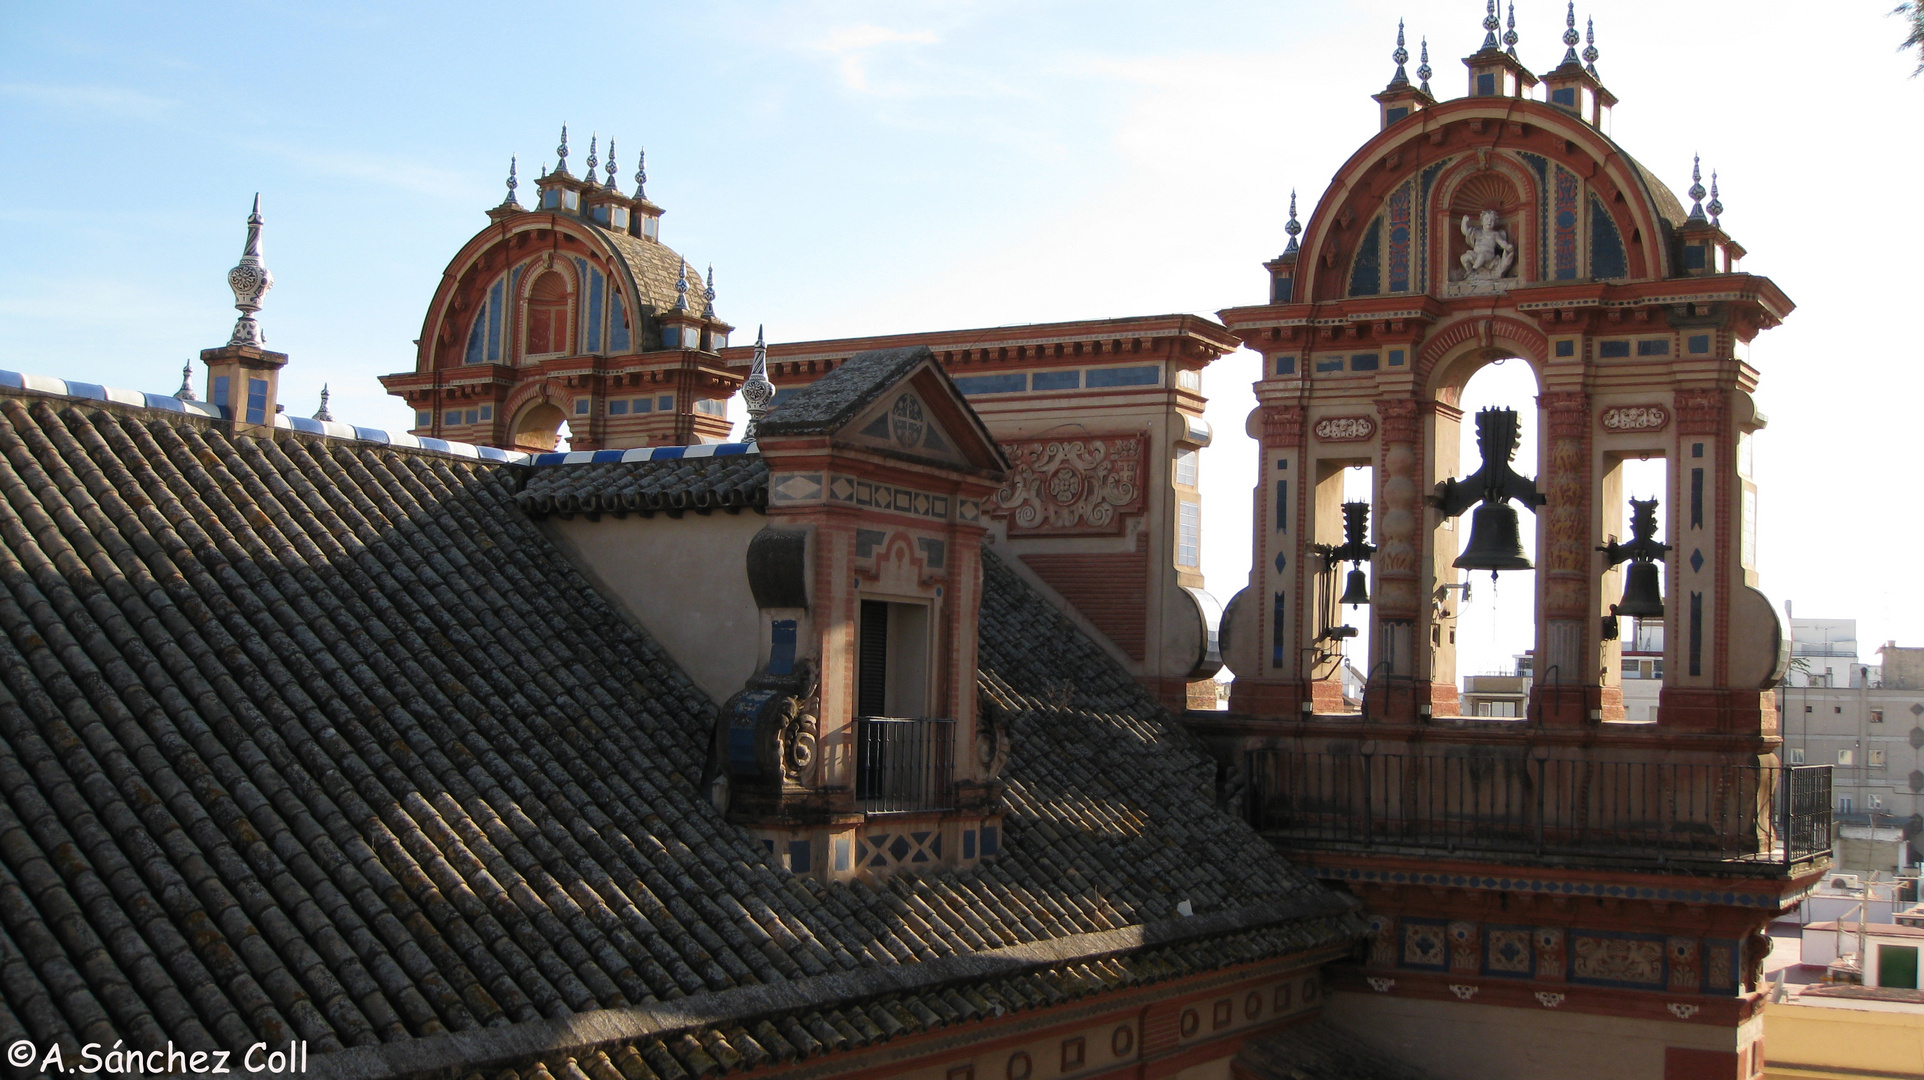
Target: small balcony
904,765
1722,818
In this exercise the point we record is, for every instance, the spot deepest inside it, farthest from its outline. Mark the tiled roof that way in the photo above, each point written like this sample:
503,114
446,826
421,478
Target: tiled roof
833,400
669,484
324,740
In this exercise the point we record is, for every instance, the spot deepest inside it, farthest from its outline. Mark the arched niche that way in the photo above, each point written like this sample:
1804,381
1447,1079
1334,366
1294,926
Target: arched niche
537,427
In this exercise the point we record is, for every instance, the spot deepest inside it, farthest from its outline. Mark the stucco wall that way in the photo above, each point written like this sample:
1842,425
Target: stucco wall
1810,1041
685,580
1488,1042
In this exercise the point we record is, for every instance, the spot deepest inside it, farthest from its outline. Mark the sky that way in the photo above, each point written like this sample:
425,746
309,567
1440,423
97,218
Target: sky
855,167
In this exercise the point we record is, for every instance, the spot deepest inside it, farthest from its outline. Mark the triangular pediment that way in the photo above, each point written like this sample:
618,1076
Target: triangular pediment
904,422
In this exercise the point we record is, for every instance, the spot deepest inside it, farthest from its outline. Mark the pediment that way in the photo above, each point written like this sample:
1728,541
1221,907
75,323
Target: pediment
903,422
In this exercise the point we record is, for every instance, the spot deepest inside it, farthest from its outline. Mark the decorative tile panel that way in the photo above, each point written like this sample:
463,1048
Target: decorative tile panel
1617,960
889,498
1423,946
1509,951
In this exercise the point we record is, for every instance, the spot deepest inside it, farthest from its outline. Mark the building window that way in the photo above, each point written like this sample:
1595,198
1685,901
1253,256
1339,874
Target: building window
1876,759
1847,757
1189,534
1186,468
1796,755
1877,716
422,419
487,412
548,315
581,407
712,407
1843,804
617,408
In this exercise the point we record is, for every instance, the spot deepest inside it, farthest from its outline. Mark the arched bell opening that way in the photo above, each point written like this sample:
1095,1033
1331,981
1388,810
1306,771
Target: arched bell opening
541,428
1341,584
1484,626
1634,582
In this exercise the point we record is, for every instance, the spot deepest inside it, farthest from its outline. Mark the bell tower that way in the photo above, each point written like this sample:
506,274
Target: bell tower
1601,878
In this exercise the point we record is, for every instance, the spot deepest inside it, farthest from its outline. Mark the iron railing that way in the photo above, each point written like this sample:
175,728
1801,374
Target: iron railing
1642,812
904,765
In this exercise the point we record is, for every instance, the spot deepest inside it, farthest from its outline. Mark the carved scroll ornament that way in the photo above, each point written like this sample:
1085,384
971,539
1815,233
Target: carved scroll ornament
1635,418
1344,428
1072,486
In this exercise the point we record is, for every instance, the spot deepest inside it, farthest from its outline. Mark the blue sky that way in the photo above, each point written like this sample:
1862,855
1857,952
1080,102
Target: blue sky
854,167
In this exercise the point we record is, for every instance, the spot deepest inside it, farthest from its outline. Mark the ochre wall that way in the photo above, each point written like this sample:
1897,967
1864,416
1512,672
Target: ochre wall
1806,1041
685,581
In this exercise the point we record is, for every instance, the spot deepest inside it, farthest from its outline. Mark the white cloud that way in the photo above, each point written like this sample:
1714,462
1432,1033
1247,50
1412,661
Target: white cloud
852,46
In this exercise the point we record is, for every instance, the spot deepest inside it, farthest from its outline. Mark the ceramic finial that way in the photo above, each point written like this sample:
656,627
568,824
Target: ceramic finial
708,294
1590,53
681,288
186,391
614,179
1294,228
1696,192
1509,36
561,165
513,181
1423,71
594,163
1716,206
323,415
757,391
1401,56
1490,24
641,173
1570,37
250,279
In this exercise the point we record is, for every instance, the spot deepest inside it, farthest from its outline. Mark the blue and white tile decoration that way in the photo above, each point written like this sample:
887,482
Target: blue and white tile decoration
333,429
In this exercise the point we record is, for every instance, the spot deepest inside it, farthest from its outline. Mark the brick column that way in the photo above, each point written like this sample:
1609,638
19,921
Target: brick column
1567,618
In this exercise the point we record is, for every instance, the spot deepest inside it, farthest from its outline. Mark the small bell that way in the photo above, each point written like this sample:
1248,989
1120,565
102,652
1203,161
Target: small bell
1495,543
1642,597
1356,590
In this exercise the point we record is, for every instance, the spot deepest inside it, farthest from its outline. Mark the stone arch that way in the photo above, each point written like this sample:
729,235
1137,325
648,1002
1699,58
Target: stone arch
1451,356
537,427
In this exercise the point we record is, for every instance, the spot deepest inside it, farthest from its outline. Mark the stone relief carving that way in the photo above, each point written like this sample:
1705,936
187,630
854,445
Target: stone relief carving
1072,486
1619,960
1491,251
1635,418
1345,428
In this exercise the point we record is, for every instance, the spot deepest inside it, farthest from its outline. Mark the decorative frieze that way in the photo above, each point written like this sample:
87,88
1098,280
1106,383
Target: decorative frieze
1072,487
1345,428
1635,418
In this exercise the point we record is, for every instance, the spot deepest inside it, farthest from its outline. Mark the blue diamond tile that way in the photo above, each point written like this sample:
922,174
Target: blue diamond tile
1696,559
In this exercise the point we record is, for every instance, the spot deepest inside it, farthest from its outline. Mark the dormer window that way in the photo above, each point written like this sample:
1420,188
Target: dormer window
599,213
570,200
651,227
618,217
550,199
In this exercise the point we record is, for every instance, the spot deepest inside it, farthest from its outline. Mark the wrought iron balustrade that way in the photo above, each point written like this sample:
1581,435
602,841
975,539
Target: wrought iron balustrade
1646,812
904,764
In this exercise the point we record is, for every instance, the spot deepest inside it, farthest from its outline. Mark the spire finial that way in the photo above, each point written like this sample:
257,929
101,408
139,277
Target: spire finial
593,162
186,391
757,391
1423,71
1570,37
513,182
614,178
1509,36
250,279
1401,56
708,294
1590,46
641,173
1716,206
323,415
1294,228
681,288
1490,24
561,166
1696,191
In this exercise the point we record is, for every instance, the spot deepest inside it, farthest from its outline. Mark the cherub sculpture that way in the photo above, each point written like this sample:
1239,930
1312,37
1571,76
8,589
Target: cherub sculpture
1490,253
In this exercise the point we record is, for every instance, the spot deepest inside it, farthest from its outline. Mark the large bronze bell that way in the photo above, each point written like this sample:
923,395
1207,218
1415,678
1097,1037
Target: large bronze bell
1641,595
1495,543
1357,589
